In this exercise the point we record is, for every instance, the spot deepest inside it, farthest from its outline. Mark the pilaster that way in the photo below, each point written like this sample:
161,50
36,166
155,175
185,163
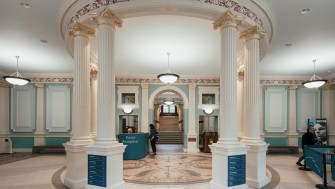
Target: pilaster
292,130
94,96
328,111
39,136
240,117
256,158
191,134
5,144
145,108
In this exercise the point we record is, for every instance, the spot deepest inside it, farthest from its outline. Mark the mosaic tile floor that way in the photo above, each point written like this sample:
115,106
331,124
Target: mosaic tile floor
8,158
169,168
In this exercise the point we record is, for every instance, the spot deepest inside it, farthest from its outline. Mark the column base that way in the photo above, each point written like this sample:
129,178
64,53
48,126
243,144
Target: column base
112,166
39,139
256,164
223,156
192,143
76,162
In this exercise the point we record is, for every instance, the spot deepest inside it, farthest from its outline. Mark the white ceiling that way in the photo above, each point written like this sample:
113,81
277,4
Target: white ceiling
142,42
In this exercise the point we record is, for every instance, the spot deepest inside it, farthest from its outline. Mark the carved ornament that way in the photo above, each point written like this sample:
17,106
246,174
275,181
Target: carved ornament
79,29
228,19
255,32
107,17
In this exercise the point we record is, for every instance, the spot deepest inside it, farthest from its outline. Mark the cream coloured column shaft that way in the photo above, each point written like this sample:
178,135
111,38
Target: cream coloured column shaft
106,151
94,96
39,136
191,134
251,84
81,84
106,77
211,122
227,150
228,83
292,130
240,117
76,169
145,108
256,158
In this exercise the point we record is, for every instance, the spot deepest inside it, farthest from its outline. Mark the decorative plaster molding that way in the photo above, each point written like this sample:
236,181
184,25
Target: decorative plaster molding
79,29
293,87
255,32
107,17
240,75
228,19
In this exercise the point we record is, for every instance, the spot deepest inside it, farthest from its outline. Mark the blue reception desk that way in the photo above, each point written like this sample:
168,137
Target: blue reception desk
137,145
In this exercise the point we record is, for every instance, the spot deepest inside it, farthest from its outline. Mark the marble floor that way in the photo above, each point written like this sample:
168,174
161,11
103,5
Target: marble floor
48,171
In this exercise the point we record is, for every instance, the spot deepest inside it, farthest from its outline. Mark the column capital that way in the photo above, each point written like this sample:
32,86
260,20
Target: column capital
254,32
192,85
293,87
39,85
107,17
240,75
79,29
145,85
228,19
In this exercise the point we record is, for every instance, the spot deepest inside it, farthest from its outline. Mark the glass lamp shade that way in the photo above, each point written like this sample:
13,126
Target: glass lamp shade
314,83
14,80
208,111
168,77
127,110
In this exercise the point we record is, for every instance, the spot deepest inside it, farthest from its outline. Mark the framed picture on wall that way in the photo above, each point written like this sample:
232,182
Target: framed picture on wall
320,126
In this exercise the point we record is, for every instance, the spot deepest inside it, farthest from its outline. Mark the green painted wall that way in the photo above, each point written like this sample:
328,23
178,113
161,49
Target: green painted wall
22,142
277,141
56,141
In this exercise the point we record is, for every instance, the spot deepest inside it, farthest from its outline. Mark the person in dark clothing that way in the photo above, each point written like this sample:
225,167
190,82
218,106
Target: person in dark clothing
307,139
153,137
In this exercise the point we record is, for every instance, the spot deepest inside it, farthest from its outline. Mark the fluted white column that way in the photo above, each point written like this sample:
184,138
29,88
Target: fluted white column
39,136
76,172
94,96
191,134
145,108
106,145
240,117
228,148
256,158
292,130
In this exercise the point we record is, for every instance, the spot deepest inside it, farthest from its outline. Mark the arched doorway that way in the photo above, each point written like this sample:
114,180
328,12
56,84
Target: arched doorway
168,117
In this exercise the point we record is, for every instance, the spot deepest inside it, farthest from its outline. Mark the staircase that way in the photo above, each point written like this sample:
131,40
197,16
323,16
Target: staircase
168,131
170,137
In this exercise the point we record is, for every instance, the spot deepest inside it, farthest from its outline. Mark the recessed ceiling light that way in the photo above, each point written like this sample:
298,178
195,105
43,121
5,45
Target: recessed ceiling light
288,44
25,5
43,41
305,11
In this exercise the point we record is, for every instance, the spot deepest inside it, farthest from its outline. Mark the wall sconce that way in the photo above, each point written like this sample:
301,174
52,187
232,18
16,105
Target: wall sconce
208,111
127,110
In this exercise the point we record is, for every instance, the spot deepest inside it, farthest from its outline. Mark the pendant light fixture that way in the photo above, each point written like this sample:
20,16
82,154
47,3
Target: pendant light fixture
168,77
168,102
16,78
315,81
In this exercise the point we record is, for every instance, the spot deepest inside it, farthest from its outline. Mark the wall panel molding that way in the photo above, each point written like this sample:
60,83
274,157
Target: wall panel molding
276,108
58,108
23,108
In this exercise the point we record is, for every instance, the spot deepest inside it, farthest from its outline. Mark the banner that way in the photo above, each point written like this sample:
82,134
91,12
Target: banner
320,126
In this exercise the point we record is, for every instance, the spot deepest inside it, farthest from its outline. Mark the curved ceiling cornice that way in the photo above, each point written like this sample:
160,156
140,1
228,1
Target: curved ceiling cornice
256,13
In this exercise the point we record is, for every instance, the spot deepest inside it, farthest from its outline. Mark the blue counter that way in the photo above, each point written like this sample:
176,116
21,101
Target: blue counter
137,145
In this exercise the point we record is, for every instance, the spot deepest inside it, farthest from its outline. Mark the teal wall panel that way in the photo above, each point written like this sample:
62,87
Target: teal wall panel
22,142
280,141
56,141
